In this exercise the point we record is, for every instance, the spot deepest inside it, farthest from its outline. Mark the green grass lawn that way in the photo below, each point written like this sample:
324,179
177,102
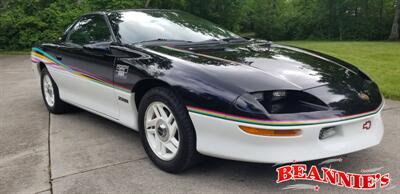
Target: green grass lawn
380,60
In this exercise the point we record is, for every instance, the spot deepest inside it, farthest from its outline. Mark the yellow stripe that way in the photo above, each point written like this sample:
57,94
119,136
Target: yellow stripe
41,57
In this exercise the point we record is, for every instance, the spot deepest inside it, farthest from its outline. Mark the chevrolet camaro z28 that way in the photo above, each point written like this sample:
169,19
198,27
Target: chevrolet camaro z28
192,88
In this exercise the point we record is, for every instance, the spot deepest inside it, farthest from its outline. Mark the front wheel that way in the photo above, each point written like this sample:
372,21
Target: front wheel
51,95
166,131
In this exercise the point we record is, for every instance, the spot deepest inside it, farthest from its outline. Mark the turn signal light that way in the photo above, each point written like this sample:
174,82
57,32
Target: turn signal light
271,132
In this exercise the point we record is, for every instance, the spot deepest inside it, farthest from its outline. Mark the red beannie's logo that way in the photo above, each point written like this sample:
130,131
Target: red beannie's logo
333,177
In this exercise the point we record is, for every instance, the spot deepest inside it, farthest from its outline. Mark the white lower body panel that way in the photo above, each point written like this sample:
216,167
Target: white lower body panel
81,91
224,139
95,98
35,69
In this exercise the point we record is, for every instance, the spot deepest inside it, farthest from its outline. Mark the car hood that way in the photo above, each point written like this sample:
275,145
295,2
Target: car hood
260,66
234,70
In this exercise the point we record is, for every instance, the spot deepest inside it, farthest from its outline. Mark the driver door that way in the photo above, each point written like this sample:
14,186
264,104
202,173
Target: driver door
88,79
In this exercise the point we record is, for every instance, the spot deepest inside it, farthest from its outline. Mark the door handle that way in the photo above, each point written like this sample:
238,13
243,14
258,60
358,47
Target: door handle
59,58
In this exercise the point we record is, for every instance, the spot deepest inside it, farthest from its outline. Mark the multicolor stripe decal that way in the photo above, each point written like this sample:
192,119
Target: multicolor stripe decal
279,123
38,55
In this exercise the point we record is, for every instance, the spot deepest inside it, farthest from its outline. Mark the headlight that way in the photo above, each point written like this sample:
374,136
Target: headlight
259,96
278,95
248,103
289,101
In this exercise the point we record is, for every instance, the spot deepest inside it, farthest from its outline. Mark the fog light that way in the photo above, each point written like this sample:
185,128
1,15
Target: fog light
271,132
327,133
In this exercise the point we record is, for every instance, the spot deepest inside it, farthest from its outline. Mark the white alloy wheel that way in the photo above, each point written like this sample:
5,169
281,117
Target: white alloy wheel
162,131
48,90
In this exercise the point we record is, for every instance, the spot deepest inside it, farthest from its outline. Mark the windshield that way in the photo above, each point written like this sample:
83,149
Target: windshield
138,26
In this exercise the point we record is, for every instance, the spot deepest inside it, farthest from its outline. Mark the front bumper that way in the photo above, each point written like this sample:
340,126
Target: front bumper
223,138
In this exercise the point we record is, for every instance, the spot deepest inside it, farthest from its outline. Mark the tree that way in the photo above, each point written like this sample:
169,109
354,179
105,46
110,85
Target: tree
394,35
24,23
227,13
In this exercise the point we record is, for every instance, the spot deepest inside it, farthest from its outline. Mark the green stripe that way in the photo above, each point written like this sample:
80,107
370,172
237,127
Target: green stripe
40,51
264,124
99,82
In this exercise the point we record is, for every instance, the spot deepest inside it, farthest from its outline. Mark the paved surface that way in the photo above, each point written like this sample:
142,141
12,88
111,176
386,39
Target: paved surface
82,153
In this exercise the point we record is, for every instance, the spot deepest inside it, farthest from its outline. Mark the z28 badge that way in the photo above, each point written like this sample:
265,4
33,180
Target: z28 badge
122,71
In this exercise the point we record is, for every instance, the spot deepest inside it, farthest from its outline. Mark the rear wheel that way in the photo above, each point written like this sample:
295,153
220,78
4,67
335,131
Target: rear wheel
50,94
166,131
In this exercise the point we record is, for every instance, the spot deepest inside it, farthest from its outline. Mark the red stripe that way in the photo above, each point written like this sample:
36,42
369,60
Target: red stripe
282,121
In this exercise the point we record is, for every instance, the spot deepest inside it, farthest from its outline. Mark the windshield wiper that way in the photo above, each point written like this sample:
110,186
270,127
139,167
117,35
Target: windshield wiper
163,40
235,39
221,41
213,41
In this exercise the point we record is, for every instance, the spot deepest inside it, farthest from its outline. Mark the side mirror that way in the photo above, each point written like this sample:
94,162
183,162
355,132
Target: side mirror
102,48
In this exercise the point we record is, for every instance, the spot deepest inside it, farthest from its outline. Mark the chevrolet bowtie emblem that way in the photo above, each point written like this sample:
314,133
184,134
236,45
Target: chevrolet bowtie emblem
367,125
363,96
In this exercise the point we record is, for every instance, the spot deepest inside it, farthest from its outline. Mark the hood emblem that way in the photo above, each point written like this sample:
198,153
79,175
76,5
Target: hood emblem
363,96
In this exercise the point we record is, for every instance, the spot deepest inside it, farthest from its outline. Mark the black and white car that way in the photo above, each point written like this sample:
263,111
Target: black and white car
190,87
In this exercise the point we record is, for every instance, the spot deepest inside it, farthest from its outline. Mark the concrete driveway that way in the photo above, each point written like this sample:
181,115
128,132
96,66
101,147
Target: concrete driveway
82,153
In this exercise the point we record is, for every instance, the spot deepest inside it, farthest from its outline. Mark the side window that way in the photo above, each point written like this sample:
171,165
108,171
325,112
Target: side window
89,30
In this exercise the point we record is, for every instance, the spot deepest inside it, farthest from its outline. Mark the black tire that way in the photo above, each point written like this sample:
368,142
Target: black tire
59,106
187,154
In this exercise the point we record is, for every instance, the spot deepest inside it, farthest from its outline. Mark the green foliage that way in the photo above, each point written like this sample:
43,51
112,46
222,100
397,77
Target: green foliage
269,19
24,23
228,13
